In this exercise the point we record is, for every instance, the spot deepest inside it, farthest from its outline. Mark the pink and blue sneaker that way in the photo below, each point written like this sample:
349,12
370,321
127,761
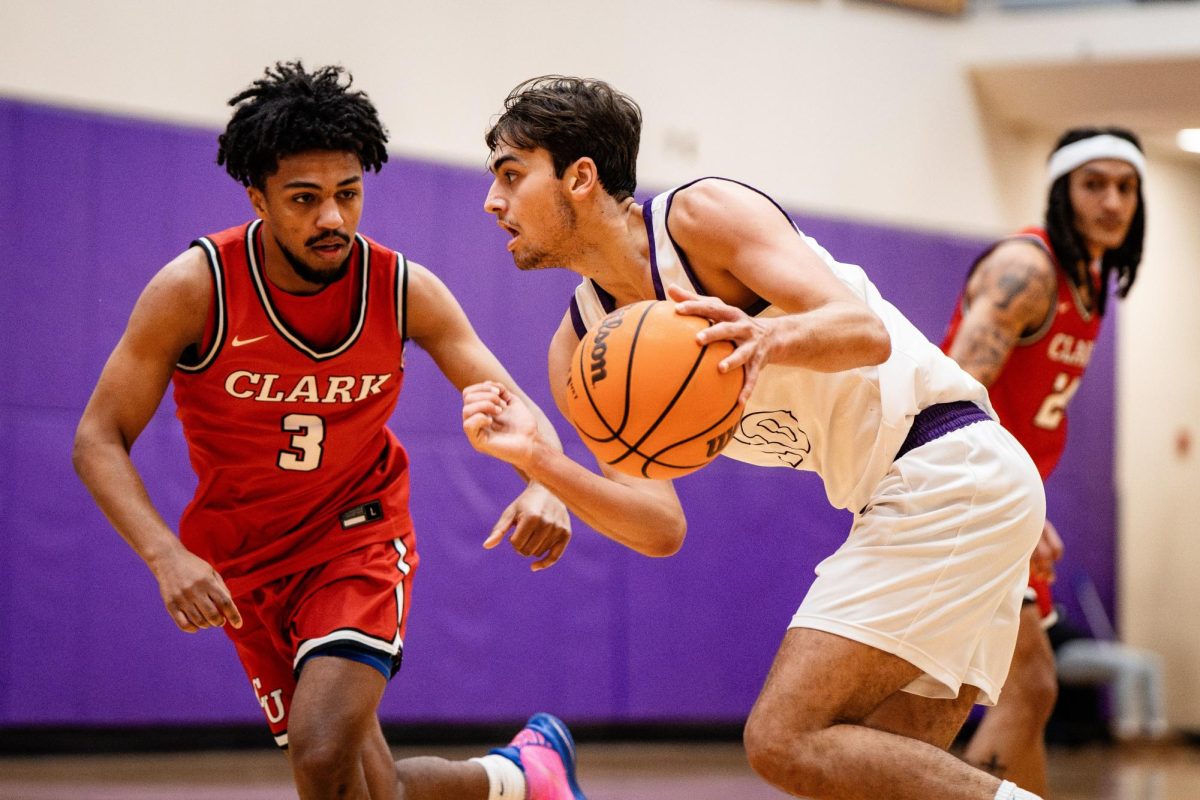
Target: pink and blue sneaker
545,752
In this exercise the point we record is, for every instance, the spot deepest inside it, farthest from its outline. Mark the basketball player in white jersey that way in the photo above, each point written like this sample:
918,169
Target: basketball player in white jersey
914,618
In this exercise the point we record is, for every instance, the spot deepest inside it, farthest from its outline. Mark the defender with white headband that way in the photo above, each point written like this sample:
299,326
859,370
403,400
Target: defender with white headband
1025,326
1106,146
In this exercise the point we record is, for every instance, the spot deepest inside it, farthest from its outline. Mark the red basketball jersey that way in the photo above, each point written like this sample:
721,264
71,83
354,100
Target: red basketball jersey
1043,371
289,441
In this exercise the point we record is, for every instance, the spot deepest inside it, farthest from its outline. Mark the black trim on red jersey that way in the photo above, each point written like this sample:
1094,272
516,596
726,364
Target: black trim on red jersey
192,360
402,307
401,280
253,237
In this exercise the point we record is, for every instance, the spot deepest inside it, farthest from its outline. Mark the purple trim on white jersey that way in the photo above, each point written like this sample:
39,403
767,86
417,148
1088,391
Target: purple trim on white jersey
648,217
755,308
577,318
660,291
607,302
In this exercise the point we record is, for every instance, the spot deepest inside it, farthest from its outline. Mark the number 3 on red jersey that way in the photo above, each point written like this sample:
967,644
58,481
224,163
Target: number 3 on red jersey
1050,413
304,455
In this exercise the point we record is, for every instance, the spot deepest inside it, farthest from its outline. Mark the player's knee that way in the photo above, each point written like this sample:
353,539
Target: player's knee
767,756
1044,691
1033,683
783,758
324,759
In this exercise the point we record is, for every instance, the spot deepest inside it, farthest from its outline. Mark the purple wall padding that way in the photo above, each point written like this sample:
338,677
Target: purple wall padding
91,206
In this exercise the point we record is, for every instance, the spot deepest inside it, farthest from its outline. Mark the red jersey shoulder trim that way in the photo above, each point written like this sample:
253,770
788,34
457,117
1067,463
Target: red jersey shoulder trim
214,329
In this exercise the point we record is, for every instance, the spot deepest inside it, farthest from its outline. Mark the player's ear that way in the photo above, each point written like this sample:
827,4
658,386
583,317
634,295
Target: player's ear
582,176
257,200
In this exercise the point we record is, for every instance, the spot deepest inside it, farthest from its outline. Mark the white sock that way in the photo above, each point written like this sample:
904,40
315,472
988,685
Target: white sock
1010,791
505,779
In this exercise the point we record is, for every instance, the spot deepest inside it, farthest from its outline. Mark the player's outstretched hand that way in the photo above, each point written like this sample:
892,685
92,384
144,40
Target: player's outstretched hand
747,334
498,423
193,592
540,525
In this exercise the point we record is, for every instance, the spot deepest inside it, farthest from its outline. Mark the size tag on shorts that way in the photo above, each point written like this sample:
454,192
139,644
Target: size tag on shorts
361,515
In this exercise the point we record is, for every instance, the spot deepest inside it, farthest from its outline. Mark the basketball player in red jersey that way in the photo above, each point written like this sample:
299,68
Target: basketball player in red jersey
1025,327
285,340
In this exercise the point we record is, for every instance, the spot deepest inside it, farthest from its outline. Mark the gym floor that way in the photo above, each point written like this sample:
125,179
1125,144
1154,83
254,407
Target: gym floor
607,771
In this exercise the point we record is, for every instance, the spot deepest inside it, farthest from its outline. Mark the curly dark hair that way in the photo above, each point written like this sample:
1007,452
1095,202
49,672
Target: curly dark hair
572,118
1068,243
291,110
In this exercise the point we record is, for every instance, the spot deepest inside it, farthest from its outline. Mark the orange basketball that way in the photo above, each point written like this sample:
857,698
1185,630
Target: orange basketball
647,398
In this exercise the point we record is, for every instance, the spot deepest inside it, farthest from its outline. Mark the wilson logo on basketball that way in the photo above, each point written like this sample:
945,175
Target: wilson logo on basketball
665,408
717,443
599,348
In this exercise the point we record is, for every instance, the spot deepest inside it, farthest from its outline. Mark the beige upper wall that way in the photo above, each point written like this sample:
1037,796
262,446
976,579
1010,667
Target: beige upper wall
1158,441
854,109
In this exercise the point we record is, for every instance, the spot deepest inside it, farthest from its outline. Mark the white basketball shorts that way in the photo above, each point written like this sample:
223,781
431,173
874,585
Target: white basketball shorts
935,567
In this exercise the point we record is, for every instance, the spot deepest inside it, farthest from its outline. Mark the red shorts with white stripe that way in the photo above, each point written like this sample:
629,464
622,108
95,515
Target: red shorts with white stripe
354,606
1039,592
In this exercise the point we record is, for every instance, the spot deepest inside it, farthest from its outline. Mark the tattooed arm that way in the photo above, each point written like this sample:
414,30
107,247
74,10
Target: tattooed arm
1009,295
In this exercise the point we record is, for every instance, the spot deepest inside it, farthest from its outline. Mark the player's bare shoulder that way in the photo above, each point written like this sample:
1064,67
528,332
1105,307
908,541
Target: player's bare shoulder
726,228
188,273
712,208
431,308
1017,280
175,303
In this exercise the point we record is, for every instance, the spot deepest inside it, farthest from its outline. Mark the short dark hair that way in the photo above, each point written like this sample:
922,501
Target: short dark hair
290,110
1068,244
572,118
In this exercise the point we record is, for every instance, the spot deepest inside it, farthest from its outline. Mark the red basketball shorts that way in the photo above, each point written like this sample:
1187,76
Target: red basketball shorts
354,606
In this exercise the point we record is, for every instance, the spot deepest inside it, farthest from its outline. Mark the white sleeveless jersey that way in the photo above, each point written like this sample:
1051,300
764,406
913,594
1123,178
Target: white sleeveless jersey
845,426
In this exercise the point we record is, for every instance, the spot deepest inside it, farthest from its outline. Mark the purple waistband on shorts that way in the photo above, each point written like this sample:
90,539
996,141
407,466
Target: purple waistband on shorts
938,420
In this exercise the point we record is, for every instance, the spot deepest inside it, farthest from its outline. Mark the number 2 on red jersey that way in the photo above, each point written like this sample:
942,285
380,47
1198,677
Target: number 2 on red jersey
1053,408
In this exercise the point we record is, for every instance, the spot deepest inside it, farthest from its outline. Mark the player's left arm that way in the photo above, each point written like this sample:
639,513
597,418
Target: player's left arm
742,247
539,521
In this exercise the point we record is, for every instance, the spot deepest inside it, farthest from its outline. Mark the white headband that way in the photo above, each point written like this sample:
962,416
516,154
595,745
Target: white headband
1076,154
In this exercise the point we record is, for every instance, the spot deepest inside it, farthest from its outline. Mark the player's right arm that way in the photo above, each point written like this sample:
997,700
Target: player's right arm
1009,295
169,316
644,515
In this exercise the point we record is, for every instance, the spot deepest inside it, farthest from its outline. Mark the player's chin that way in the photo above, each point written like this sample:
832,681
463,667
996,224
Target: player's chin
1109,236
326,269
528,261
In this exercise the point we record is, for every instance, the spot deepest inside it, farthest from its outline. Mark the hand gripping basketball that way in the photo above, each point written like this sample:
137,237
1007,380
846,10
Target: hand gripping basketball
647,398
